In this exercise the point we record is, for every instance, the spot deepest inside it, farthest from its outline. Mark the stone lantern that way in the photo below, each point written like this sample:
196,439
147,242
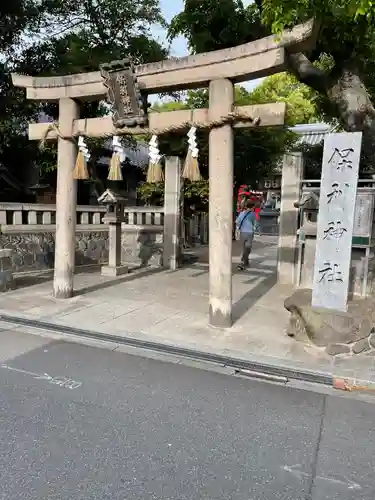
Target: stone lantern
114,216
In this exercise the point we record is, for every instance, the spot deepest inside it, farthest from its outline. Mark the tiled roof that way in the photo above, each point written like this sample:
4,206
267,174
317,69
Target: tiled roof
137,156
312,133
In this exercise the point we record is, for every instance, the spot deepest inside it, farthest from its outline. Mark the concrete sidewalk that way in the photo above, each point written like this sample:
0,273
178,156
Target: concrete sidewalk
170,308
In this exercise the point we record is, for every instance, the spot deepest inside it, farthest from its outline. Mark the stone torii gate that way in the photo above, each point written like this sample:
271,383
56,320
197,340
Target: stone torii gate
218,70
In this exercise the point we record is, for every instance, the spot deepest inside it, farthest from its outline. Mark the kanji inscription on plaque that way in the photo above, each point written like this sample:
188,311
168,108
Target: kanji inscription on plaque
337,202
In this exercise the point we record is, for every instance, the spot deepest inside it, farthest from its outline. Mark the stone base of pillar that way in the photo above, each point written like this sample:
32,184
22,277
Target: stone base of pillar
114,271
63,293
218,319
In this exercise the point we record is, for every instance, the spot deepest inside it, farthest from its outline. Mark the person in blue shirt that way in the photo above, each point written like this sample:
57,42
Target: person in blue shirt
246,224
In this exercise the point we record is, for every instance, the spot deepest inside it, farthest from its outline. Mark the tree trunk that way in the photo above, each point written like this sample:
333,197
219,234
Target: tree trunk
355,109
346,92
352,101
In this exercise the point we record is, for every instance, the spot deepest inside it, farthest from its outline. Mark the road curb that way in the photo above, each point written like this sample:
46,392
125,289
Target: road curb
257,369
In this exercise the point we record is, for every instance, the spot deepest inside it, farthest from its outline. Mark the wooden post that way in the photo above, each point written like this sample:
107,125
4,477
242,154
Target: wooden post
66,202
221,95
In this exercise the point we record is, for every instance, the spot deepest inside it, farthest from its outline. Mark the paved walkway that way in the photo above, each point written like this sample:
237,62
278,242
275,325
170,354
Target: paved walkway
172,308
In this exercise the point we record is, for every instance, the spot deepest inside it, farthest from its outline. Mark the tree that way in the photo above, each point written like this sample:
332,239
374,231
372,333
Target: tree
196,195
341,68
299,98
345,44
216,24
17,18
104,22
74,37
256,152
219,24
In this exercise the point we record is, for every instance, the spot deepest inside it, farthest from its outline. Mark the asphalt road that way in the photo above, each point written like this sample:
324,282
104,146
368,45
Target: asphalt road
84,423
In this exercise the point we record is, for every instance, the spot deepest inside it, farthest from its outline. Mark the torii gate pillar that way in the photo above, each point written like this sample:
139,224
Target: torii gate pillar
221,96
66,202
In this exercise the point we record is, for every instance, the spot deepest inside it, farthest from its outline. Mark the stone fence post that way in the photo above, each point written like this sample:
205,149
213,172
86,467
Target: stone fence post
292,174
172,217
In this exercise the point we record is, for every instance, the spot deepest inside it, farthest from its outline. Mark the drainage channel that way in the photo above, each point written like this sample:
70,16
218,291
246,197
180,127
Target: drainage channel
253,369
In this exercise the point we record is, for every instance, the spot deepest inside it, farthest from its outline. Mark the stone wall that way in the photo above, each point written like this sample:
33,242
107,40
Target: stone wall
34,249
29,230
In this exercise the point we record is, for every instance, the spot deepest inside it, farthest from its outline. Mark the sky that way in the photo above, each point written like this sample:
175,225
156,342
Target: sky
170,8
179,46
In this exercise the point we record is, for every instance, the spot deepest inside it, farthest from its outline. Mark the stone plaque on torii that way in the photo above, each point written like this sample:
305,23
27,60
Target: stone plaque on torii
218,70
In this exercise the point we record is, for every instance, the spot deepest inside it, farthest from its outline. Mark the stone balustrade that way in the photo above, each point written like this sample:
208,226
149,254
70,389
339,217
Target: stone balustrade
28,230
28,214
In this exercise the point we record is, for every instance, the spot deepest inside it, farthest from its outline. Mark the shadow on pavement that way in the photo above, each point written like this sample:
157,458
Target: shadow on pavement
247,301
133,275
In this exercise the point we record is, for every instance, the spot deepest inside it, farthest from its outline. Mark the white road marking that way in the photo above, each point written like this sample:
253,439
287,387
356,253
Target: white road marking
298,473
61,381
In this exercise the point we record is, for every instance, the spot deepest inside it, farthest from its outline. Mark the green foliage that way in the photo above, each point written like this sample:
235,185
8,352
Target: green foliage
47,159
299,98
281,14
72,37
85,34
195,195
346,29
345,47
166,106
257,152
151,193
18,17
109,26
345,26
216,24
